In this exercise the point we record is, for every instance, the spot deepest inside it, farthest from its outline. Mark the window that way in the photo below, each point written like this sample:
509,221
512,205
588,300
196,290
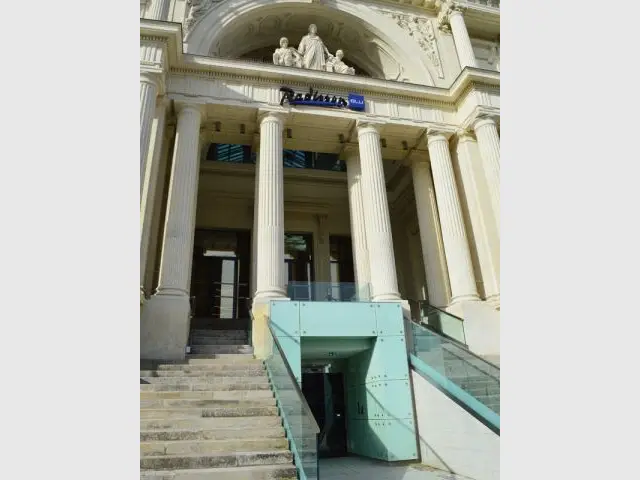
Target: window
230,153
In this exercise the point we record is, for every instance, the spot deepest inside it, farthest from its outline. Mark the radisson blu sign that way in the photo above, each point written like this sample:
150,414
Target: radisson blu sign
314,99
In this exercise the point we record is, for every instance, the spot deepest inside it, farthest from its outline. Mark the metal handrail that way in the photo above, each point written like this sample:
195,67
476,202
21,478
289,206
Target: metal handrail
292,377
459,345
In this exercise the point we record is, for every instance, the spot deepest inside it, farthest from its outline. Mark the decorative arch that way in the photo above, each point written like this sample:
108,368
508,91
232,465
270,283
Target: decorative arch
376,46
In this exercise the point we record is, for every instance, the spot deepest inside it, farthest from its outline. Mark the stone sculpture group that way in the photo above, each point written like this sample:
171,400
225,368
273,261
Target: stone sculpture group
311,54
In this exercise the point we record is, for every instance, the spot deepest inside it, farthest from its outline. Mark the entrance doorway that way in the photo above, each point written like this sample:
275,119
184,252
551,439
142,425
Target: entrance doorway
298,259
220,279
324,393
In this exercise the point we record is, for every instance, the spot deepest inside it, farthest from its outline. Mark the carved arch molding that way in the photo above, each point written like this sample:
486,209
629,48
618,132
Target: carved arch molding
378,46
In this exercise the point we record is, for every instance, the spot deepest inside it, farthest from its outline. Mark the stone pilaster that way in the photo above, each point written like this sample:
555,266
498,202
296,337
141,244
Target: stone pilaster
489,145
451,19
165,320
149,188
270,225
158,10
254,231
149,86
382,264
454,236
358,226
430,233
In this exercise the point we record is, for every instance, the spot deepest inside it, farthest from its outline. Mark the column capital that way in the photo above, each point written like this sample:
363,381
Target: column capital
364,126
465,135
483,120
272,115
190,107
418,158
448,8
349,151
153,78
437,134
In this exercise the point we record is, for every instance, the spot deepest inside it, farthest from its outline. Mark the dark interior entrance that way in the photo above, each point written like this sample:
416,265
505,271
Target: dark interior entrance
325,394
220,279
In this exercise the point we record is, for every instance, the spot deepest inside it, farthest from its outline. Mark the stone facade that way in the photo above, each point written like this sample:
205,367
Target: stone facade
420,194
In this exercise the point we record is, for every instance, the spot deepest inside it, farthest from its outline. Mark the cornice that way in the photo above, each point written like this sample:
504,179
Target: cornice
258,73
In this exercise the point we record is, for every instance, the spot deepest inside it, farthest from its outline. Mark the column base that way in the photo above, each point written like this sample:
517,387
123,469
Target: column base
164,327
260,334
464,298
494,301
387,297
268,295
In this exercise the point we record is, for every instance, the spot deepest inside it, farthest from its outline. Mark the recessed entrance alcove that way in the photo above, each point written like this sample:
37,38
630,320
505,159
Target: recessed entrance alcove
360,350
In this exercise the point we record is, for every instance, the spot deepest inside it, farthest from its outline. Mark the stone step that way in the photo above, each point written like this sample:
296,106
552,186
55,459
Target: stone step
193,360
177,370
204,332
187,447
214,349
240,386
230,459
254,472
247,424
192,433
206,403
236,371
206,340
212,380
226,395
181,412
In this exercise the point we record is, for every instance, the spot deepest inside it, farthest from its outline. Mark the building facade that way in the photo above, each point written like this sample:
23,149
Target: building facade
317,150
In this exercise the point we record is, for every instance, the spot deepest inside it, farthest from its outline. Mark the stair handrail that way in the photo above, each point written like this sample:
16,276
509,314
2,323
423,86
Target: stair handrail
457,343
294,380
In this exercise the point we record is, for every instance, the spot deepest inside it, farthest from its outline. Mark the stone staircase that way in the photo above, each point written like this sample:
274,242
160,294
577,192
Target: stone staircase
475,377
211,416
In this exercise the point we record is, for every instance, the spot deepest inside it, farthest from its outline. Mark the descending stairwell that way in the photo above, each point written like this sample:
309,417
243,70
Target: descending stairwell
212,416
475,377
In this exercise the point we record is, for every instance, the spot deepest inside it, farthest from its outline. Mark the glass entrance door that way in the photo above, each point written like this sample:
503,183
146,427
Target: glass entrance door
220,274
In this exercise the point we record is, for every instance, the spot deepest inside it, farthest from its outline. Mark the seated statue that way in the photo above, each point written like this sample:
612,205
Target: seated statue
286,55
335,64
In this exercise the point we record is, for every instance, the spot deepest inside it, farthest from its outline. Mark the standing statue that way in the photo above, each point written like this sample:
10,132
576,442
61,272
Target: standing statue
286,55
335,64
314,53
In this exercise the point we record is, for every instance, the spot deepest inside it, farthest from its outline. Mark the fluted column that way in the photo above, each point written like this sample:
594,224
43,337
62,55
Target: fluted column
150,180
158,10
149,84
484,232
430,233
270,228
454,236
489,145
177,243
451,18
164,328
358,226
382,264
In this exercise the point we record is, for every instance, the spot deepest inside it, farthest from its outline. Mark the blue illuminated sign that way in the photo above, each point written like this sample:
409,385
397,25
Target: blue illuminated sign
315,99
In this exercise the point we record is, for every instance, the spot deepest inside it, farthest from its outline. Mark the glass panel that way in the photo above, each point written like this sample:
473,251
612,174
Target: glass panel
477,377
442,322
297,419
328,291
